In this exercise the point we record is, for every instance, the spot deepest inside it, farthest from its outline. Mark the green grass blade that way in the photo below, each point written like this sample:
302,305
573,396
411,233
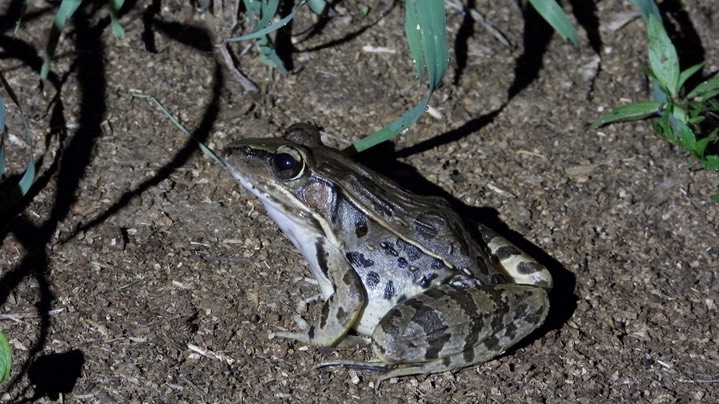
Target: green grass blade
270,28
414,39
647,8
66,10
3,155
432,21
663,58
426,36
5,358
631,112
317,6
28,177
209,152
557,18
425,30
117,31
391,130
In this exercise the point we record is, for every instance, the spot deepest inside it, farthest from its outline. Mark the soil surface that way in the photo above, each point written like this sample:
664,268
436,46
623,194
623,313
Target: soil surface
138,270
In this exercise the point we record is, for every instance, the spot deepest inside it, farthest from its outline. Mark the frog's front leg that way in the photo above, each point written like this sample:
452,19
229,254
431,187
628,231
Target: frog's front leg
446,327
341,309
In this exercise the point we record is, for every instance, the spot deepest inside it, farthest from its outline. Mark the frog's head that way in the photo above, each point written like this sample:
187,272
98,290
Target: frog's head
268,167
288,173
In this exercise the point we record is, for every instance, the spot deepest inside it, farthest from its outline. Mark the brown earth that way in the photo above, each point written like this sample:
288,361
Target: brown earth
139,271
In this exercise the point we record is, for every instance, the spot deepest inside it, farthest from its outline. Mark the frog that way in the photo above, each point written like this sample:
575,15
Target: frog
398,271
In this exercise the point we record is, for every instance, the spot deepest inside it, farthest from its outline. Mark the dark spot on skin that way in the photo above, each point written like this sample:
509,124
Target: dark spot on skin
426,280
481,265
492,343
526,267
437,264
372,279
341,315
434,328
388,324
497,279
311,332
510,330
463,247
401,298
358,259
361,227
401,262
389,290
468,354
435,293
506,251
412,252
447,361
321,257
325,312
388,249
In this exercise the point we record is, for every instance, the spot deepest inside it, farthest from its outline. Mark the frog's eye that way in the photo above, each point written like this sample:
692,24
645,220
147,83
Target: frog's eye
287,164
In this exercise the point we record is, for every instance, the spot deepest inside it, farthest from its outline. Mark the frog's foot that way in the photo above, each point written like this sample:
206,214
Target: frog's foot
301,323
389,371
306,279
356,365
520,266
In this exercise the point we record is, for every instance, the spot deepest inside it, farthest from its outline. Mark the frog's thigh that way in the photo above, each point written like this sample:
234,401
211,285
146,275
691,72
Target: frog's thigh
446,328
341,309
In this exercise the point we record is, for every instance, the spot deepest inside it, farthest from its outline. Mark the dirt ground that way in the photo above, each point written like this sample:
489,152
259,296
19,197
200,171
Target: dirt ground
140,271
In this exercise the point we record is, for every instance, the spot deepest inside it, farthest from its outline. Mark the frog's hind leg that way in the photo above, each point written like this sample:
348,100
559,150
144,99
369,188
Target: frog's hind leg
521,267
445,328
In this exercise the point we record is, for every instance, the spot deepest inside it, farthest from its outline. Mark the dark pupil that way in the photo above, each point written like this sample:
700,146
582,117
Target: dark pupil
284,162
285,165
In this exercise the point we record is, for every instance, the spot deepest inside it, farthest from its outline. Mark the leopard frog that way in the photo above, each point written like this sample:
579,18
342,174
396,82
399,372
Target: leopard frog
399,269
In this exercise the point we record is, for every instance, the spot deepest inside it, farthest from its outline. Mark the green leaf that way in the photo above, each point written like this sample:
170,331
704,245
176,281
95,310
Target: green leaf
631,112
5,358
706,90
715,198
683,76
555,16
711,162
679,113
663,57
687,139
